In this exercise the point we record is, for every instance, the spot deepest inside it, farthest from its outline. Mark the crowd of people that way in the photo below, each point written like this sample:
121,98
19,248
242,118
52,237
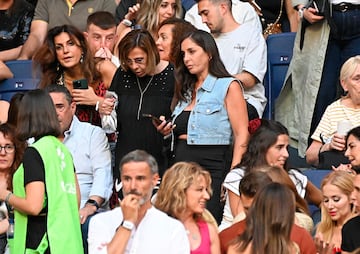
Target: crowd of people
145,134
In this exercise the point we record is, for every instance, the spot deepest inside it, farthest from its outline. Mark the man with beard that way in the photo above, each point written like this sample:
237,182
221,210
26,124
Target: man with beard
242,49
136,226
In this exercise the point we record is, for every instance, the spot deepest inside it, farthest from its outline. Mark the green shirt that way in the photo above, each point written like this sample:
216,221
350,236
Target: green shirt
63,223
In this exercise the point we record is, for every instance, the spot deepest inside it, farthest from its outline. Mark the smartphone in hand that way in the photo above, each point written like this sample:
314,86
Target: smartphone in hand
154,118
80,84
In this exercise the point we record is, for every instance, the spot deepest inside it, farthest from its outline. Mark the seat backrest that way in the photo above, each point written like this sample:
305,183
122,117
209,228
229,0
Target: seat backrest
23,69
315,176
11,86
279,54
25,78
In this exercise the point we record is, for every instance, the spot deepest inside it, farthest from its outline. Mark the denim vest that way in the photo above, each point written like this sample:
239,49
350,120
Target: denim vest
209,122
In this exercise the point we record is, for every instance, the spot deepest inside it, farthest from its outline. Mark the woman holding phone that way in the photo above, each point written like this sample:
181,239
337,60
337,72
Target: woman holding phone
65,60
210,114
145,87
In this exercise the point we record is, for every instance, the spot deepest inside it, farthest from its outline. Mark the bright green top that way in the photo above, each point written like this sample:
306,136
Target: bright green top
63,223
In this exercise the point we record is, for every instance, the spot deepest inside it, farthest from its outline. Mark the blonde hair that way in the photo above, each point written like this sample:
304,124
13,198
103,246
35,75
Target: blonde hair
171,197
349,67
148,16
344,181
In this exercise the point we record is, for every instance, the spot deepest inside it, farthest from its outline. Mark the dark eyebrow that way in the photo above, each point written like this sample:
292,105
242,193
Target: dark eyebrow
200,12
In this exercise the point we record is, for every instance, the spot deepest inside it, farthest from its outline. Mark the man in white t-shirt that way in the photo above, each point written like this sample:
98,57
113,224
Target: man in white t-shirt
243,12
242,48
136,226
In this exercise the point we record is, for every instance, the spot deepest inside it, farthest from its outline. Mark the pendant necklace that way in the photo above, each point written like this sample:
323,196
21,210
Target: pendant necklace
142,94
193,236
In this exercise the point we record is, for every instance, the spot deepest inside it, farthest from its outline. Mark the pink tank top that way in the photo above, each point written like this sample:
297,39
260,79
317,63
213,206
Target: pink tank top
204,247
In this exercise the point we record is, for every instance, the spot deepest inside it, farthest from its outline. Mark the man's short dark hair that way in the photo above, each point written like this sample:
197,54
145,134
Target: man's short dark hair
54,88
103,19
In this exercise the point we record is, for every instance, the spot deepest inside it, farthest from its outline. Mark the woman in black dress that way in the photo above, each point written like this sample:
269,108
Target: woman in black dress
144,85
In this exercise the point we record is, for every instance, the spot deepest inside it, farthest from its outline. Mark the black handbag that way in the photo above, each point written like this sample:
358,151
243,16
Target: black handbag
331,158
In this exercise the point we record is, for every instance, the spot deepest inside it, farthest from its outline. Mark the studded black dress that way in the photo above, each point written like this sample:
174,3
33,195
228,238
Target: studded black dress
138,96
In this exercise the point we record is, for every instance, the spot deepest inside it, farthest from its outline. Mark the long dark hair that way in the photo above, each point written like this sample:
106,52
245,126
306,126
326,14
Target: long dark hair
185,81
263,138
14,108
9,132
37,116
50,66
268,227
356,133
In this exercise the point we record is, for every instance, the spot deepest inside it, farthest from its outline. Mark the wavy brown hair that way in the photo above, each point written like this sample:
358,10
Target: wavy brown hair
180,29
9,132
49,64
260,142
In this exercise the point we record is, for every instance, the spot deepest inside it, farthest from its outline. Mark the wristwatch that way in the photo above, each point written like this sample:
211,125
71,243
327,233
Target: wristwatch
126,22
92,202
127,225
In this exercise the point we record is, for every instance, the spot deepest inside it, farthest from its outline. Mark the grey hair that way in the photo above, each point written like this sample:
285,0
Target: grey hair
140,156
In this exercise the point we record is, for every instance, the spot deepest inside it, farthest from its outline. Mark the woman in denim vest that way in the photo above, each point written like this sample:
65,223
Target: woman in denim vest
209,121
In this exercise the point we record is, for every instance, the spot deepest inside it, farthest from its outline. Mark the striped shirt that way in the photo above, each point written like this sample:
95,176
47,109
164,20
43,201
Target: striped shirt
335,113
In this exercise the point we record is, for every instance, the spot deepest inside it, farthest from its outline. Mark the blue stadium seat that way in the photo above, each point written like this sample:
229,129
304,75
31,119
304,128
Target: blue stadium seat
279,54
25,78
316,176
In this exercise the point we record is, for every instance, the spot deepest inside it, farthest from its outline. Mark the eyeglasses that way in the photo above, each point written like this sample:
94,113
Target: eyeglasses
136,60
7,148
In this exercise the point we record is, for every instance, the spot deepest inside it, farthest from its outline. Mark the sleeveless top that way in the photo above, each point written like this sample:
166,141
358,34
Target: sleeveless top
208,122
182,123
204,247
61,200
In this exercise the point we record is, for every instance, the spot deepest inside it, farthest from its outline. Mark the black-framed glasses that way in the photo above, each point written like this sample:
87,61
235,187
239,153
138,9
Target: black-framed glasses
7,148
